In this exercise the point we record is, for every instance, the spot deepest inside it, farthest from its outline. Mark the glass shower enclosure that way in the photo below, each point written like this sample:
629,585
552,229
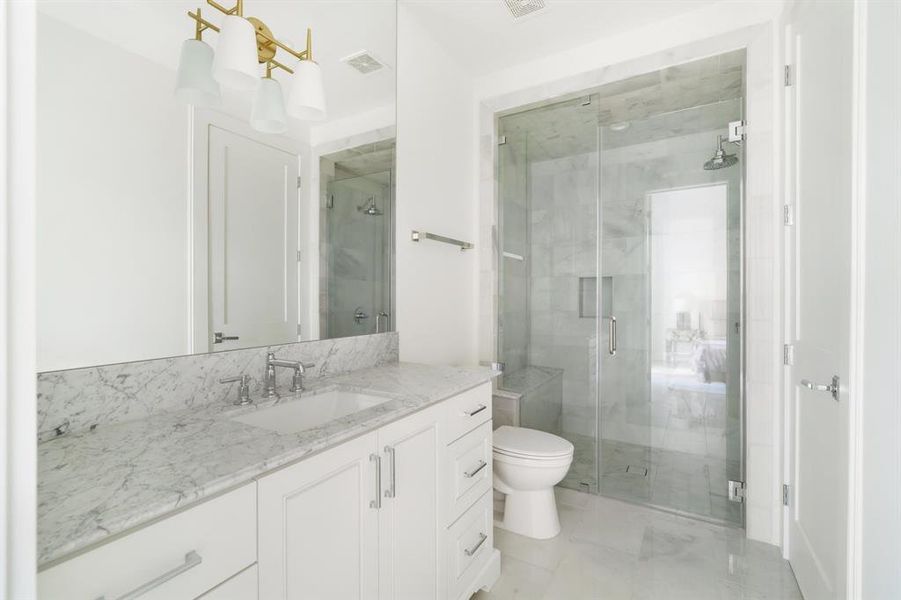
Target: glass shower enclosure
620,282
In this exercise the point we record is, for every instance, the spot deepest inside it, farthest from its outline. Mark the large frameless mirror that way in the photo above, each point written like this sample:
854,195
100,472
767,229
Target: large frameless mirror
212,176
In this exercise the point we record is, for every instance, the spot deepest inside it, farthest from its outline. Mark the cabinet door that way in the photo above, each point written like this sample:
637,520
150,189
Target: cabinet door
318,533
410,566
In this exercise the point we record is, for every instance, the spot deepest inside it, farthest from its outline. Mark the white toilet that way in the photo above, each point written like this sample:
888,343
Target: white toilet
527,465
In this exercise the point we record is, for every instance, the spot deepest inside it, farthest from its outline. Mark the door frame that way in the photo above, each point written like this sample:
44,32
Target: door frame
856,316
200,122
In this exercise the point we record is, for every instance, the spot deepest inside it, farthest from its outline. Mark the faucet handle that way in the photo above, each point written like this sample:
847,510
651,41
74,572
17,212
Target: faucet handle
297,380
243,389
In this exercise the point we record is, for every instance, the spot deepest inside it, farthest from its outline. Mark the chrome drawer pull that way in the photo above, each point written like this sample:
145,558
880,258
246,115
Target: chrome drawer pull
474,549
377,503
476,411
192,559
482,465
392,484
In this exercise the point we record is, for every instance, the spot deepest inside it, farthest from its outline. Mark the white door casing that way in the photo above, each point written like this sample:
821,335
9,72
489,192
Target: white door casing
245,229
819,43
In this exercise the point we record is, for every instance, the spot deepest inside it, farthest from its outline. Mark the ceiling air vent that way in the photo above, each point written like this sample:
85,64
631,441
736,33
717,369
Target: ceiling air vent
363,62
521,8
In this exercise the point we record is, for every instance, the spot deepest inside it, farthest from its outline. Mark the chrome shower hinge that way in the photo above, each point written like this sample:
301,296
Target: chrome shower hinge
736,131
736,491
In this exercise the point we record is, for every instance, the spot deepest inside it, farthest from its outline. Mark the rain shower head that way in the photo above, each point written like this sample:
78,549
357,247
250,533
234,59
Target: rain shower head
720,159
370,209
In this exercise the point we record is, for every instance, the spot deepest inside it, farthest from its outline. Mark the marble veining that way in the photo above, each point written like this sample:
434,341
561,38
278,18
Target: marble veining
79,399
104,481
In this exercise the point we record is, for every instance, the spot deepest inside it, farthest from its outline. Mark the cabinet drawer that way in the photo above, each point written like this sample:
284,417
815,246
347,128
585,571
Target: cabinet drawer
470,541
242,586
200,548
469,469
467,411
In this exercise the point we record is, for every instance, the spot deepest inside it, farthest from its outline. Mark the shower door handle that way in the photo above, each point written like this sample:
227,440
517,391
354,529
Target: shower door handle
611,335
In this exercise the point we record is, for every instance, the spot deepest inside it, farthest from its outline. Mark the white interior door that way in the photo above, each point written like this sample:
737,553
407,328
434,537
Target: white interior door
819,41
252,242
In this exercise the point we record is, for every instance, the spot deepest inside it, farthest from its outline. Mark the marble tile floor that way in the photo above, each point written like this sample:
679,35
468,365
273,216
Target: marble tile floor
676,480
612,550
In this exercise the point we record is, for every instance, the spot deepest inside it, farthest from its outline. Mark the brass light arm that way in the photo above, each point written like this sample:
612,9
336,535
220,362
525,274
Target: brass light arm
274,63
202,23
303,55
262,32
237,9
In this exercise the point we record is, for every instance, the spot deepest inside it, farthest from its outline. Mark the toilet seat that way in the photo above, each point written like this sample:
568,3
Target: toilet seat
530,444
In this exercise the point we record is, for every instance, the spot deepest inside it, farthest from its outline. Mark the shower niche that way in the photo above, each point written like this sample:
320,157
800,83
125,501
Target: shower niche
620,323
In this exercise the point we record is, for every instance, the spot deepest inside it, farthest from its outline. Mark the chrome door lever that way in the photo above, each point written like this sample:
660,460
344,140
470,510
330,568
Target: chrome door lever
833,388
219,337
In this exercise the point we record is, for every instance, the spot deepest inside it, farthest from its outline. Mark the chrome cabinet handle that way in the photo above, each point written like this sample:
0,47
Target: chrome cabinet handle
611,335
392,489
474,549
192,559
833,388
469,474
377,503
476,411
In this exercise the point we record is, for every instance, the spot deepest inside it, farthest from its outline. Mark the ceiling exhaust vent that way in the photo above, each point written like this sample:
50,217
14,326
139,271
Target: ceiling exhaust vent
363,62
521,8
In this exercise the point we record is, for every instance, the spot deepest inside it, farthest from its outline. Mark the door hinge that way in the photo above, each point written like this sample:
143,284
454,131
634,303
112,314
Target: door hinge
788,214
298,329
785,493
298,256
501,140
736,491
788,354
737,131
788,75
299,178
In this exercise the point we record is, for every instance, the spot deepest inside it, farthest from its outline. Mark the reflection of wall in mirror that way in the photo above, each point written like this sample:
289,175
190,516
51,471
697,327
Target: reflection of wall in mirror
111,215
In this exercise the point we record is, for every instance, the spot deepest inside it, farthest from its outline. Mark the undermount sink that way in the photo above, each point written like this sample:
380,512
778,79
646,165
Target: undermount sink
308,412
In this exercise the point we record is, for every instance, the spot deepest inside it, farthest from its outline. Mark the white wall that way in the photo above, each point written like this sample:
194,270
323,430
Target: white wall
663,36
18,417
112,155
881,439
436,182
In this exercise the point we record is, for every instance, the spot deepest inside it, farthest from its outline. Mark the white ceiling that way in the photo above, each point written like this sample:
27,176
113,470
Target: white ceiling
484,37
155,29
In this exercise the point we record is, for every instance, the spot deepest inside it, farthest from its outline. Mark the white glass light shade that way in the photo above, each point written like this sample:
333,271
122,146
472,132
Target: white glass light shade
307,98
268,111
194,83
235,64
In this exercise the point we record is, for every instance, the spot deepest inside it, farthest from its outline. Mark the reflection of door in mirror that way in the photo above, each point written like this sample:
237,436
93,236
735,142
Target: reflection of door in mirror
357,224
252,218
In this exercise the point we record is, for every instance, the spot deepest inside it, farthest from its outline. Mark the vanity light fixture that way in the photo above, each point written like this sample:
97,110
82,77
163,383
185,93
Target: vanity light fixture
244,44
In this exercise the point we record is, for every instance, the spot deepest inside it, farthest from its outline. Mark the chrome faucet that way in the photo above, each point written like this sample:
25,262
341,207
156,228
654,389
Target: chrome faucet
299,368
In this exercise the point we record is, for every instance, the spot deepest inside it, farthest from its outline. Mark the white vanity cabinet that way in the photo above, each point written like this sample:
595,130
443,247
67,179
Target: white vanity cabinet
182,556
361,520
400,513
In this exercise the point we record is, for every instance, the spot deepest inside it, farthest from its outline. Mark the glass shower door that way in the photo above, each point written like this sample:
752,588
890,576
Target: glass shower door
670,398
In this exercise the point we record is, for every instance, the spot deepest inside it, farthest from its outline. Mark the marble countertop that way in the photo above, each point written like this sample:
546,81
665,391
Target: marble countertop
100,483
